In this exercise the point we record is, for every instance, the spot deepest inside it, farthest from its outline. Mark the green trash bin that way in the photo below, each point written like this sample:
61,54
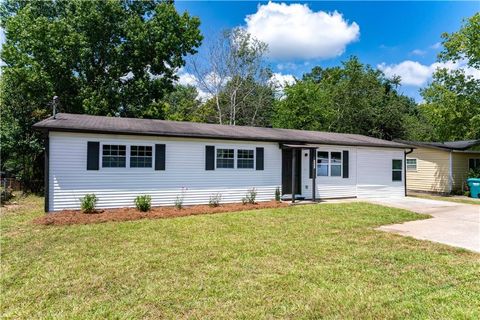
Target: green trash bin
474,185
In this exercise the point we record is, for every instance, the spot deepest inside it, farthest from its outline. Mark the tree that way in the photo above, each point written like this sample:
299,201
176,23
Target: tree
353,98
234,75
98,57
452,99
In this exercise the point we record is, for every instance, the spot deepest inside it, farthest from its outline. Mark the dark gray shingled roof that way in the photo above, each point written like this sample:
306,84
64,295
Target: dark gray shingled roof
448,145
99,124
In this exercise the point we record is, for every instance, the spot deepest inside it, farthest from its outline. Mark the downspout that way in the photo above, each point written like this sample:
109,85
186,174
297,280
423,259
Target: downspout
450,173
405,169
46,172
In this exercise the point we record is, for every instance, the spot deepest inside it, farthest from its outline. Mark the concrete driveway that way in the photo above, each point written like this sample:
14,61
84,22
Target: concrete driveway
454,224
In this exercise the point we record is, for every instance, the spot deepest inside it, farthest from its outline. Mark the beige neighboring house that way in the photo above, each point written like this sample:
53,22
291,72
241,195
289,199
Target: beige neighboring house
441,167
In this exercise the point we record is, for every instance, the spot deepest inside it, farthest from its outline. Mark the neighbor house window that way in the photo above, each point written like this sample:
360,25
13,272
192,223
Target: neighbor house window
225,158
397,170
329,163
474,164
114,156
244,159
140,156
411,164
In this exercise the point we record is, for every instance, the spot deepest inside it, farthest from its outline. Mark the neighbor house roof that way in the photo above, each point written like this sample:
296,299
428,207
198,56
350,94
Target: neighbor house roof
448,146
99,124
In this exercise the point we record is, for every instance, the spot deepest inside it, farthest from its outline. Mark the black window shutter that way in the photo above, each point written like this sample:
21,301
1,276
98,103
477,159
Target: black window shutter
209,157
159,157
345,163
312,158
93,155
471,163
259,159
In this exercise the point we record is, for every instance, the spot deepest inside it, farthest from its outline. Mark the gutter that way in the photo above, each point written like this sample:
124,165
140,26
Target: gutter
405,169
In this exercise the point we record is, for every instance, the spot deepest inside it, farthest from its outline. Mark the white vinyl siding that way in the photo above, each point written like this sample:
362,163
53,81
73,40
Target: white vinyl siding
374,167
370,174
185,168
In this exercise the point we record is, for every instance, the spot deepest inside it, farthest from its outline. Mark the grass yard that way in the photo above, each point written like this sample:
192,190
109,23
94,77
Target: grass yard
447,198
312,261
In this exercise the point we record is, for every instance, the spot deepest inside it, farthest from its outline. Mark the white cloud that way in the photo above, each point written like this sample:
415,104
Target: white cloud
188,79
295,31
436,45
414,73
279,81
282,79
418,52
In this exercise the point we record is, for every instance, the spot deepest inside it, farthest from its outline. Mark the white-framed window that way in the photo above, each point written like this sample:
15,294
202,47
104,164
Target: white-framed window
411,164
141,156
225,158
397,170
473,163
329,163
245,159
114,156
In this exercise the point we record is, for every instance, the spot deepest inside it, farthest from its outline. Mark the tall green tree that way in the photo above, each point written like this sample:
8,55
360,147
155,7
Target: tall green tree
353,98
452,99
99,57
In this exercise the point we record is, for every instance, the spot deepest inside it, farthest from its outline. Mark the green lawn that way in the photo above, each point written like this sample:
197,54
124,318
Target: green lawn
315,261
446,198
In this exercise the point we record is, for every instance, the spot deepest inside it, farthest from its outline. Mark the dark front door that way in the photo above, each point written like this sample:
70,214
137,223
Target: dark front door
287,171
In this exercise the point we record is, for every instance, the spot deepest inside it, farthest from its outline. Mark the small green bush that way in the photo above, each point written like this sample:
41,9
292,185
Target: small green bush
179,202
250,196
143,203
88,203
214,200
277,194
474,173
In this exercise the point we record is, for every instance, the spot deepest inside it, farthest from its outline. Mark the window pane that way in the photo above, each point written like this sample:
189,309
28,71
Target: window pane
322,155
113,156
141,156
245,159
336,171
397,164
474,164
322,170
412,164
336,157
397,175
225,158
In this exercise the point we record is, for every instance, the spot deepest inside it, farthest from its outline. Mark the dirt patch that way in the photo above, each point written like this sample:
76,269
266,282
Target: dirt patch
68,217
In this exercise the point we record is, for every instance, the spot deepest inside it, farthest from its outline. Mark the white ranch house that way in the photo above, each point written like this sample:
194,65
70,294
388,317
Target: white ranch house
118,159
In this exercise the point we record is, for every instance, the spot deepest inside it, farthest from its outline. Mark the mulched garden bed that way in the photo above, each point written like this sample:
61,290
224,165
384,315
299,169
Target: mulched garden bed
68,217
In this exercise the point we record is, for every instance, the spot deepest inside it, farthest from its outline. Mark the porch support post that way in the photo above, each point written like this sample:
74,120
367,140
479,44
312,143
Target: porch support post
314,174
294,153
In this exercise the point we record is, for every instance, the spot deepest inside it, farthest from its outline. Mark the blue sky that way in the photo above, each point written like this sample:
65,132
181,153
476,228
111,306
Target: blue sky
398,37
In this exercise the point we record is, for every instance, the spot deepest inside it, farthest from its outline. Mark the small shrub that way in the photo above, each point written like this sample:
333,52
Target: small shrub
179,202
466,193
214,200
277,194
143,203
250,196
180,198
88,203
474,173
244,201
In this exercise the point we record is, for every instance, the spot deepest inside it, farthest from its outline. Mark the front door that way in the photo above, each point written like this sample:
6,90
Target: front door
287,171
